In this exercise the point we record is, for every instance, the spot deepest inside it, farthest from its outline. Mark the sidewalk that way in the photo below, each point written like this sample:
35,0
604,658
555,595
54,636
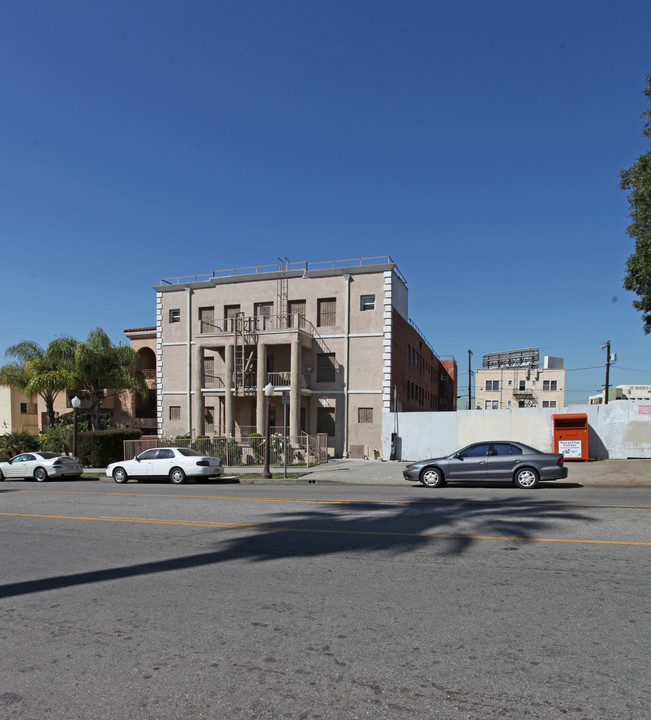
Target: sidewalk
602,473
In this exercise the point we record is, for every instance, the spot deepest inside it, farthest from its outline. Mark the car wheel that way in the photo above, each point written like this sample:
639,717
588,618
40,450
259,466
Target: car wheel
40,474
120,475
526,478
431,477
177,476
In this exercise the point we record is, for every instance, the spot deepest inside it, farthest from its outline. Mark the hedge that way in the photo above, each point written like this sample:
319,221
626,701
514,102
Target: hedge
98,448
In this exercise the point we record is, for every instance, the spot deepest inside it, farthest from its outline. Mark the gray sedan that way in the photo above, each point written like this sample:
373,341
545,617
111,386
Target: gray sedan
490,461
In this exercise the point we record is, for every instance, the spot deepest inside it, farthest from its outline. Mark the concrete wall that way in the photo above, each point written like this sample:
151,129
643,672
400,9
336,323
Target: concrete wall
618,430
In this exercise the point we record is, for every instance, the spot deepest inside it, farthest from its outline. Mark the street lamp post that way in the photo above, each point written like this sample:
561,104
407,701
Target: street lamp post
268,392
76,403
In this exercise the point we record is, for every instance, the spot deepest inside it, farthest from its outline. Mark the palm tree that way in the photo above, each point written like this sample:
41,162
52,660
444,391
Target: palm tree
36,371
98,365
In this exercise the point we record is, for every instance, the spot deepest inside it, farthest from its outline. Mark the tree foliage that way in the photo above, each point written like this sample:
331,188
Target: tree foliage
36,371
637,179
98,365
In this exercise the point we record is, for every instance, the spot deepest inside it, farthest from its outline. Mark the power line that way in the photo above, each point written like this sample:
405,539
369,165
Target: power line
619,367
593,367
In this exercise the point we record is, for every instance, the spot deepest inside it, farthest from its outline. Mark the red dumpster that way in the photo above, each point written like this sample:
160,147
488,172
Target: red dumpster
571,436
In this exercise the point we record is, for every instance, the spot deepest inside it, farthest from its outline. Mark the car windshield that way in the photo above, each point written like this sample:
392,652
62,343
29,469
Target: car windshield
189,452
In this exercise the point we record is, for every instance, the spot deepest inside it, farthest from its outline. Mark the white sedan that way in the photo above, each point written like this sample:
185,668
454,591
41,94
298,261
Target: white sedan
174,463
40,466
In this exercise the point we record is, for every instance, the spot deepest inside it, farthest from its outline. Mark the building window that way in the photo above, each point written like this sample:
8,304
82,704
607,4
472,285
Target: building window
230,313
175,315
367,302
326,312
491,405
209,420
175,412
550,385
522,385
325,420
209,371
549,403
325,367
492,385
365,415
206,319
28,408
296,307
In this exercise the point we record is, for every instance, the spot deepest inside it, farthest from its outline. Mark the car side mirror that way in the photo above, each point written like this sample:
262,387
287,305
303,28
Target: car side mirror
137,459
457,456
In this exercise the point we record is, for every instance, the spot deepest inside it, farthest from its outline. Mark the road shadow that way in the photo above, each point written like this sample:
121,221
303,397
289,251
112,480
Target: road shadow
447,527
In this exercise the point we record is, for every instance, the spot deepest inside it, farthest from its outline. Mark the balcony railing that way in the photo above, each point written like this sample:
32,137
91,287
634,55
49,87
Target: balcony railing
257,324
277,379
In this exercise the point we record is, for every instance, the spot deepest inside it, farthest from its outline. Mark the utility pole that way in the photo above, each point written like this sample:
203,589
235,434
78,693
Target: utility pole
607,346
469,379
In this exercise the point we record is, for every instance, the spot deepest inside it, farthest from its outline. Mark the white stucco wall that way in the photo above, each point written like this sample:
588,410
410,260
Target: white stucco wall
617,430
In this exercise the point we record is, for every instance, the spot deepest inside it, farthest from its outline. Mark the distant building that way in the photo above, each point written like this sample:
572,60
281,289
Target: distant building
623,392
18,413
333,338
515,379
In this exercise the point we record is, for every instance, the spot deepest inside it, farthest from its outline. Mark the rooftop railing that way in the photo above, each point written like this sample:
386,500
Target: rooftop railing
286,265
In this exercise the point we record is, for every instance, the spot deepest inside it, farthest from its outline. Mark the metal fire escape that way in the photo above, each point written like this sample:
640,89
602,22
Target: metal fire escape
245,354
282,292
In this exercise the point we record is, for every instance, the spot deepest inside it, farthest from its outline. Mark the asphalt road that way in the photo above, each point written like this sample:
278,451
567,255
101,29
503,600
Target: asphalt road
152,601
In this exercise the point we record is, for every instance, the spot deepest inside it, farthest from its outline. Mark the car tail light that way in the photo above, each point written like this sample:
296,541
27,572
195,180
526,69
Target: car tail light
561,460
203,463
57,463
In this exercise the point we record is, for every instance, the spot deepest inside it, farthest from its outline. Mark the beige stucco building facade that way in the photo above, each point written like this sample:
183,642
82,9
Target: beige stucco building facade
319,333
622,392
17,412
515,379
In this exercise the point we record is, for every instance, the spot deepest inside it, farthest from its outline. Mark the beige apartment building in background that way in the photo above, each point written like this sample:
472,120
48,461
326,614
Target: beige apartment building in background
623,392
515,379
18,413
333,339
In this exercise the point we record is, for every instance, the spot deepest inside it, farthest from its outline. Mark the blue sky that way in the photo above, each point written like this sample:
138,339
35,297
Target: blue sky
477,143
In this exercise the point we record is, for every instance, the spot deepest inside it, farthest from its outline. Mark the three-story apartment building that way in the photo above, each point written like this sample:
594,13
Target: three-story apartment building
334,340
515,379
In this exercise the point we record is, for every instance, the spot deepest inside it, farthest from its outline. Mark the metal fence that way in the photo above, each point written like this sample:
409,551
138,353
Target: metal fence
302,451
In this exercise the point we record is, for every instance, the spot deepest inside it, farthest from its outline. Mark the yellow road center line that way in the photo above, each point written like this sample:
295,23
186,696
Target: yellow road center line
262,526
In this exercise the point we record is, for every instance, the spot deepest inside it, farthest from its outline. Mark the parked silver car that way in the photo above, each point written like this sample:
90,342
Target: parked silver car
490,461
174,463
40,466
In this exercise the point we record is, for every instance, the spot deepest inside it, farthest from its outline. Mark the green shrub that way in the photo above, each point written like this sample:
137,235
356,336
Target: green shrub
18,442
57,438
101,447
